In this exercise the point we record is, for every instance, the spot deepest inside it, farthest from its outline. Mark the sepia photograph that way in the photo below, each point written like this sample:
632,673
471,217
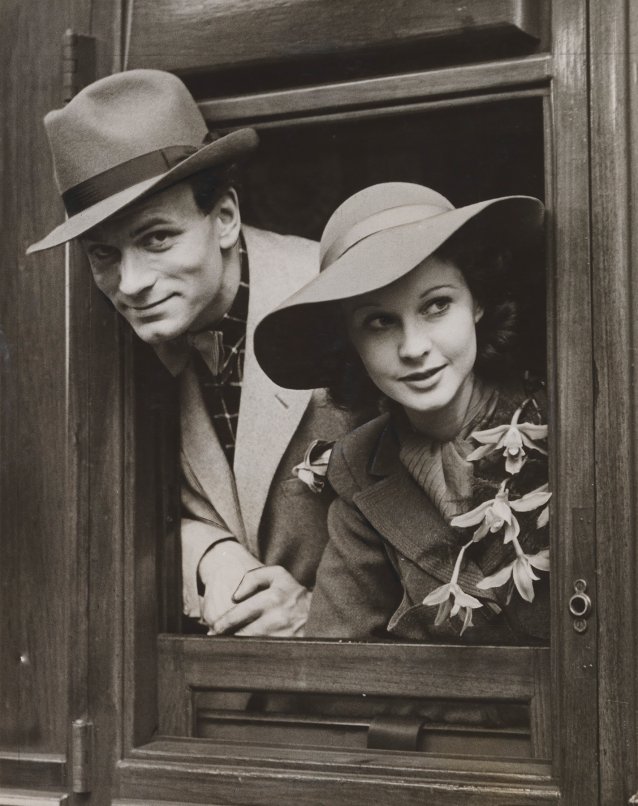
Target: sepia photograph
318,452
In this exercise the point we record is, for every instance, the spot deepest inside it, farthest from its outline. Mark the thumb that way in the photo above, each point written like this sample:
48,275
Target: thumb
255,580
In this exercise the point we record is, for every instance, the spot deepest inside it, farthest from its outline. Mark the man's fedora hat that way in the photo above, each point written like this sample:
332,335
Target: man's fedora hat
374,238
125,136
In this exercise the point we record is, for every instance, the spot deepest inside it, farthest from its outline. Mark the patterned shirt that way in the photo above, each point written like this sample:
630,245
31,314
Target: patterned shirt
222,392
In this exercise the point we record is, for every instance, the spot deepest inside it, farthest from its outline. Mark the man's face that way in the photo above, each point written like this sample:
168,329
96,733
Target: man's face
166,266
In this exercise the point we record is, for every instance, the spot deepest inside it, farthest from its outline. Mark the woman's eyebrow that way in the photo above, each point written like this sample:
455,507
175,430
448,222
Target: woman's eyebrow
436,288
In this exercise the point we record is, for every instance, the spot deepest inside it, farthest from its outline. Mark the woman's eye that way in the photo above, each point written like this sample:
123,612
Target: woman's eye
379,321
438,306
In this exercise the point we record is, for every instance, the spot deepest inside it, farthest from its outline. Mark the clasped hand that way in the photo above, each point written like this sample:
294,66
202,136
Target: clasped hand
244,597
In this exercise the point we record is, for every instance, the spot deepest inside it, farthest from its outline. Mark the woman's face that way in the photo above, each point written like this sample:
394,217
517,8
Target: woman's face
417,340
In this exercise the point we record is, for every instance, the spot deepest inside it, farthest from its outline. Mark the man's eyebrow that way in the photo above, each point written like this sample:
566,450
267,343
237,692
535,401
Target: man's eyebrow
148,223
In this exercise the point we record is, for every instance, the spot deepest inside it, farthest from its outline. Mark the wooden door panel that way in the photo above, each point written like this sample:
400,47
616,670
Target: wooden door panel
215,34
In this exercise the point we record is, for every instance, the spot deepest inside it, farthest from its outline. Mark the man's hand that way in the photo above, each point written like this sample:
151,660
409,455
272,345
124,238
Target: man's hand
270,601
222,569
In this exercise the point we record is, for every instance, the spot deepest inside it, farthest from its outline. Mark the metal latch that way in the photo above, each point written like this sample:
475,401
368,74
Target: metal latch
580,605
394,732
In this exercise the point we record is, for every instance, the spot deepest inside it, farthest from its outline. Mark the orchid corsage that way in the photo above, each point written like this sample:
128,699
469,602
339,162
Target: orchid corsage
497,516
312,470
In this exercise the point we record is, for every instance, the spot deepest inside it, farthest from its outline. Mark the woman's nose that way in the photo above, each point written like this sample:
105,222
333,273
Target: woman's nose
136,276
415,341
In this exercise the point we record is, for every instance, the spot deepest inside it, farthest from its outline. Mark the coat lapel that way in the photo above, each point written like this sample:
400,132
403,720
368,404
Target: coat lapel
204,454
268,414
400,511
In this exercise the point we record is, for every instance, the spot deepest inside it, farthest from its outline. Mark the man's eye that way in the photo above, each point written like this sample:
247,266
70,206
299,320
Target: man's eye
102,254
158,239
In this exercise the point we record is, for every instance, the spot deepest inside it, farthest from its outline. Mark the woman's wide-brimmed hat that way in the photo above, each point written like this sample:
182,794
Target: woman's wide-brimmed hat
126,136
371,240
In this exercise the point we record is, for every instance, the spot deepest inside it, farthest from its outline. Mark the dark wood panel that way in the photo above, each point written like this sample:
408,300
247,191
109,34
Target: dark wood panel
614,141
366,670
283,785
215,34
493,77
37,558
32,770
416,670
571,426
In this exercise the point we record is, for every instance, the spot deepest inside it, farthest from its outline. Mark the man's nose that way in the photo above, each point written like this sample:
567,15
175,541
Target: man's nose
415,341
136,276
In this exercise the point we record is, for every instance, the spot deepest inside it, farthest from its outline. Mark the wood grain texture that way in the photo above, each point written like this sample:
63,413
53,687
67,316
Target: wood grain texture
276,30
614,177
32,770
571,389
25,797
366,670
285,786
256,108
37,556
417,670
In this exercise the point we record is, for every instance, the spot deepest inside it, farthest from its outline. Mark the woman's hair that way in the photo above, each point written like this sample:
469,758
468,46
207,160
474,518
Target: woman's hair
487,271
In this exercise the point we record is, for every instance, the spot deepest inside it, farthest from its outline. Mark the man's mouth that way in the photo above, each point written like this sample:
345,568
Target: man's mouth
151,305
424,375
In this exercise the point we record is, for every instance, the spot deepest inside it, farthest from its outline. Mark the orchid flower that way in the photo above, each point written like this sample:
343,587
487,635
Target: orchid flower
520,570
511,438
452,599
493,515
490,516
312,471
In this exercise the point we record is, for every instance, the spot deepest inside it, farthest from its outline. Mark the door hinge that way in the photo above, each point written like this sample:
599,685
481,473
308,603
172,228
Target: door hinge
78,63
81,756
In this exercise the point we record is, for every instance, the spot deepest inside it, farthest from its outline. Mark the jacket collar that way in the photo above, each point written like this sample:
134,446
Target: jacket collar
400,511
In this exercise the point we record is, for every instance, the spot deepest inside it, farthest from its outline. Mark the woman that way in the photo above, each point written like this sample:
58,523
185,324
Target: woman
439,529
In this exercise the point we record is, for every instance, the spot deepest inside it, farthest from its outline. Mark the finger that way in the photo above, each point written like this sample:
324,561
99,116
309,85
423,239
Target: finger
239,616
255,580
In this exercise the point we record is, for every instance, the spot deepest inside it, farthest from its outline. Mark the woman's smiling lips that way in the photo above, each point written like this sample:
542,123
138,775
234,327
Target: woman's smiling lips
422,377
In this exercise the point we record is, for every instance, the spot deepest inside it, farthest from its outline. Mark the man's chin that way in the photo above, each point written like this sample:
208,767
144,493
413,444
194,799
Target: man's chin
159,335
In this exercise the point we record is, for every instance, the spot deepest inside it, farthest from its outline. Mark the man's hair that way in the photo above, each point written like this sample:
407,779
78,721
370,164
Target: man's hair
209,185
487,271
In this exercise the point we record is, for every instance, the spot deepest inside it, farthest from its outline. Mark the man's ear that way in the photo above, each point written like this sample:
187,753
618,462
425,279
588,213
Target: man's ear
228,218
478,312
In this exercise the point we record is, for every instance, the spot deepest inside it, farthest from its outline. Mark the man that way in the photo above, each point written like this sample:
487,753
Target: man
149,194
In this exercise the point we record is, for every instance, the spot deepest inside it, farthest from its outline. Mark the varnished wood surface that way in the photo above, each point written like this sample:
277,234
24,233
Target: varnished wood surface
26,797
37,558
335,761
572,393
614,176
282,784
417,670
532,71
22,768
214,34
366,670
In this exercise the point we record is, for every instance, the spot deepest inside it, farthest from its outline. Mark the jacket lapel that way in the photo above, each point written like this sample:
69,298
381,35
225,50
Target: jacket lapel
205,455
400,511
268,414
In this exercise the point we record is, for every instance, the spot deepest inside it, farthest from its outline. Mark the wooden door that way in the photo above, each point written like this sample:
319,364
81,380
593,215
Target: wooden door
518,73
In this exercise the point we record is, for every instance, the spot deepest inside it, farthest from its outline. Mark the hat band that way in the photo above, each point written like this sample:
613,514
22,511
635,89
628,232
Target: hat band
386,219
101,186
